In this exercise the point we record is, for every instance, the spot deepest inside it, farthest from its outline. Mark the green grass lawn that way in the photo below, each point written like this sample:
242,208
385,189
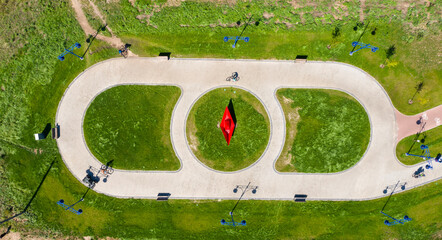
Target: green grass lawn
251,132
200,219
130,125
326,131
433,139
33,80
196,29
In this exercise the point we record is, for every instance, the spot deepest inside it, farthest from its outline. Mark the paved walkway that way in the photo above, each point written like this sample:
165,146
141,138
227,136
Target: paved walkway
378,168
408,125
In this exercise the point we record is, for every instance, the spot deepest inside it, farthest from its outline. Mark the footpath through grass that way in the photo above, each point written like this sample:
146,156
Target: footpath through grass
326,131
130,125
250,137
432,138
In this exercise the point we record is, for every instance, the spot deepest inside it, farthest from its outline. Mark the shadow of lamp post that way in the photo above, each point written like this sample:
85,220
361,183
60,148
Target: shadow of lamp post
395,220
244,190
237,38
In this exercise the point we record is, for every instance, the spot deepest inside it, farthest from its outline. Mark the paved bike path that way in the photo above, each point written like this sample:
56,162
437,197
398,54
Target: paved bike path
366,180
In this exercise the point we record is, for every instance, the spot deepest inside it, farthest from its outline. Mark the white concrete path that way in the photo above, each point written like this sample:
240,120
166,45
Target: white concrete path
378,168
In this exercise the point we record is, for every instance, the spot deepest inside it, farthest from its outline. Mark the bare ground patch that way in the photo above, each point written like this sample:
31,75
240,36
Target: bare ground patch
191,134
267,15
284,162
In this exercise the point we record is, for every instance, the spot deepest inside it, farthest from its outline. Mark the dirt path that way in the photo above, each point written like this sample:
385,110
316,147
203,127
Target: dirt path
114,41
361,12
408,125
98,14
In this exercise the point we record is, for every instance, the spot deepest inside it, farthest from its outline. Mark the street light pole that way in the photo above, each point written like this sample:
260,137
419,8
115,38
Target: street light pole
238,37
396,221
243,222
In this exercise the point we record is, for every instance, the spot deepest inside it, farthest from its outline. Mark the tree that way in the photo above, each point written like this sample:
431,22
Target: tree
418,88
336,32
390,51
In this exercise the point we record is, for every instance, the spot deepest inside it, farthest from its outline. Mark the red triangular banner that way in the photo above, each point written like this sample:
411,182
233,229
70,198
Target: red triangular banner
227,125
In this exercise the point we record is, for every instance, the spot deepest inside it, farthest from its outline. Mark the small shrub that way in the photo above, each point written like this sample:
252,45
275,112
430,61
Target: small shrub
336,32
390,51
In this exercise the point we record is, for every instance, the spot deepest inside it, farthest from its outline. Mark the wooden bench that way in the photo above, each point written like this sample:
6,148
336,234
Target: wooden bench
56,131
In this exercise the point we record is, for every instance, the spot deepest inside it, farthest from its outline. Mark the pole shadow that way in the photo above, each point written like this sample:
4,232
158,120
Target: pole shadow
84,195
417,137
91,38
362,34
5,233
33,196
244,29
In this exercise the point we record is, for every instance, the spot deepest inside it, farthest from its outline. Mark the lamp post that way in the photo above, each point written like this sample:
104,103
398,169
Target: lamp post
244,190
69,50
395,220
426,156
71,207
362,46
237,38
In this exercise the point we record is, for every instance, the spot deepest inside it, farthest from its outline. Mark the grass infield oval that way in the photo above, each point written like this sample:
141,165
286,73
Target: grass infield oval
130,125
326,131
250,137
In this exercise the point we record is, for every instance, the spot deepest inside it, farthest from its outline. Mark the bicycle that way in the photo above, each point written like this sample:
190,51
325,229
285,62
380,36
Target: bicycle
106,170
234,77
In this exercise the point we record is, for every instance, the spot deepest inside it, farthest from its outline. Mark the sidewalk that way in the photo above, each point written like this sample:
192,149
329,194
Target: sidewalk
407,125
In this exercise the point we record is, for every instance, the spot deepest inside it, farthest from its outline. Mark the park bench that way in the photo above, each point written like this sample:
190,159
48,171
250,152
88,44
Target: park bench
300,197
163,196
301,58
56,131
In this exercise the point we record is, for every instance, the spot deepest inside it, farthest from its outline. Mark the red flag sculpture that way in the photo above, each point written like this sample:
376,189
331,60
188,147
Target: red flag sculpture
227,125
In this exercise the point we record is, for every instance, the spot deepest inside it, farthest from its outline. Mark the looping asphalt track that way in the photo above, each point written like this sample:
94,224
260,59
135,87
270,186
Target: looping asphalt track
377,169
